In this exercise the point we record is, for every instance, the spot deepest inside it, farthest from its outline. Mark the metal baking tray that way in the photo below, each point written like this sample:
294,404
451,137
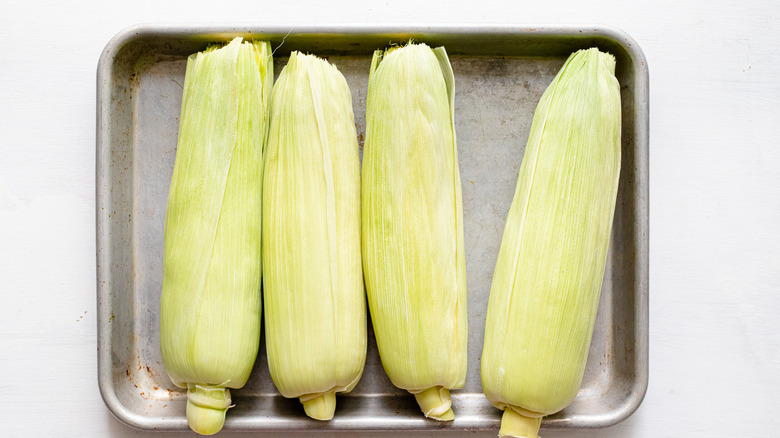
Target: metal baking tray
500,74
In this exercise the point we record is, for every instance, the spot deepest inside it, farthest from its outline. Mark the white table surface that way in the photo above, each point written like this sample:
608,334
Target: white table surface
714,200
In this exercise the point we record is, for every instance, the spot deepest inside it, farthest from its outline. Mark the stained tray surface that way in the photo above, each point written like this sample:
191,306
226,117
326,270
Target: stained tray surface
500,74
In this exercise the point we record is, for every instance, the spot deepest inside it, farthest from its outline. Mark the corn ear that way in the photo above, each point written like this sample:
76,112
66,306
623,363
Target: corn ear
315,305
211,304
550,267
413,251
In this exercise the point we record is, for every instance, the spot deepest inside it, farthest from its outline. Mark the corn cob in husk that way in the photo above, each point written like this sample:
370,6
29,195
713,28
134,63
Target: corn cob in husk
550,267
211,304
315,305
413,251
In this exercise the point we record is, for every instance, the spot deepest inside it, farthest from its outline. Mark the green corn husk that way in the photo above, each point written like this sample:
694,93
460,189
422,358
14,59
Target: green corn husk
550,267
315,303
413,255
211,304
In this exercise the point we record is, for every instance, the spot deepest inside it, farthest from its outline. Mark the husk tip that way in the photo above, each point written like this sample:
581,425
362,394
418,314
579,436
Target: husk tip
321,407
515,425
204,420
436,403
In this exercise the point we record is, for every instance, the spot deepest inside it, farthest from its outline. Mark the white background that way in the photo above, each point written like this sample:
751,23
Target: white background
714,200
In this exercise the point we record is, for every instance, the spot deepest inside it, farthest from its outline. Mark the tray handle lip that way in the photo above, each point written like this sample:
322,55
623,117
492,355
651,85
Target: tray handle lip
258,29
620,414
107,390
127,417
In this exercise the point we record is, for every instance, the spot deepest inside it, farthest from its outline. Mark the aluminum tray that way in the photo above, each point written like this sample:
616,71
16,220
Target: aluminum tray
500,73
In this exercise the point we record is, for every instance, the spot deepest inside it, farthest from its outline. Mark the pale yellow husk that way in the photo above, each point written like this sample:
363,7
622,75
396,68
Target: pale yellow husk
211,304
413,251
315,304
550,267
